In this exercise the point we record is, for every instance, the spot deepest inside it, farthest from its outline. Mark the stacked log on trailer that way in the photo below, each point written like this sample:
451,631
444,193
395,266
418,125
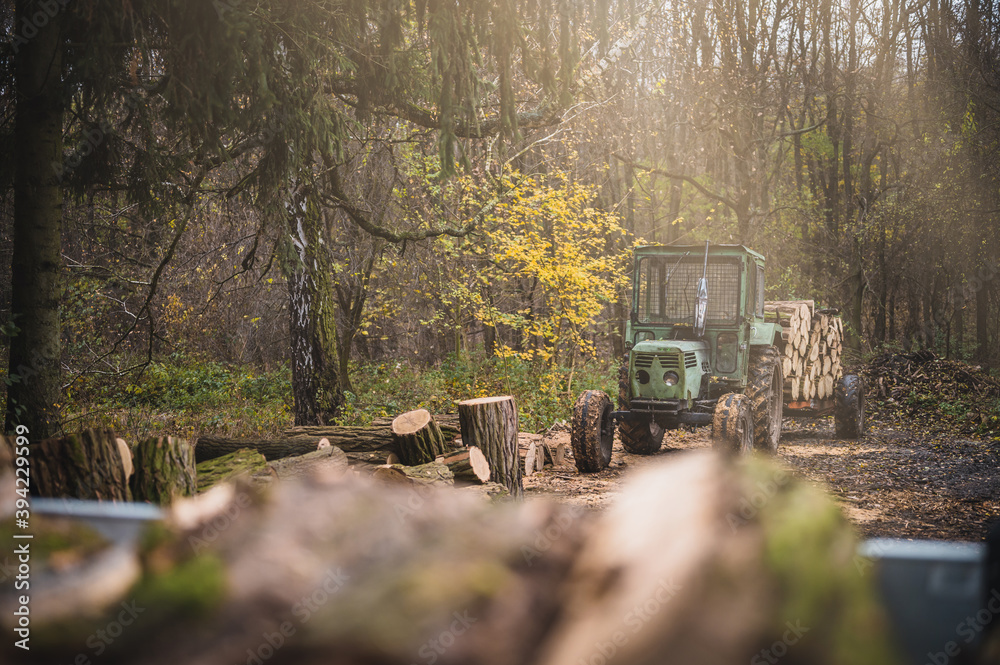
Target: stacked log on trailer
811,363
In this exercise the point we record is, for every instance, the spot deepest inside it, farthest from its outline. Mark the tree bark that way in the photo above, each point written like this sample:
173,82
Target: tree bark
36,283
363,444
86,465
240,462
163,469
432,473
490,423
316,388
329,460
417,437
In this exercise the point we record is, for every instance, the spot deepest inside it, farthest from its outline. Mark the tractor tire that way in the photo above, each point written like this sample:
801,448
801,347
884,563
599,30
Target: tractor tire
849,411
636,437
764,390
732,427
593,431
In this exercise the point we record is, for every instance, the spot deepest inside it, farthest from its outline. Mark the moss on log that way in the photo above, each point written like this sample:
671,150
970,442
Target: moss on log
163,469
241,462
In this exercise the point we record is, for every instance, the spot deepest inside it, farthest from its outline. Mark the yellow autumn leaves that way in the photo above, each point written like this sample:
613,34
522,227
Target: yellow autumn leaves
555,261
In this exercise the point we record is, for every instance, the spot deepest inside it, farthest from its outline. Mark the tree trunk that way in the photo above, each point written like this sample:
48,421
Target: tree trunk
490,423
86,465
330,460
164,469
36,283
365,444
417,437
237,463
432,473
316,386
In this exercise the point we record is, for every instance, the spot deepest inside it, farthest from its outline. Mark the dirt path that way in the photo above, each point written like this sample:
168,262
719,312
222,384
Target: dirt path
895,482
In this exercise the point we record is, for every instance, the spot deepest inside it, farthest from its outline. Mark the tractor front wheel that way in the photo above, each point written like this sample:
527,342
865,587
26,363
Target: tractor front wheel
849,412
593,431
638,438
732,427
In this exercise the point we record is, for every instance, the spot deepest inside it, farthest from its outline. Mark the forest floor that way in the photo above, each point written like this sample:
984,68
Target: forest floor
898,481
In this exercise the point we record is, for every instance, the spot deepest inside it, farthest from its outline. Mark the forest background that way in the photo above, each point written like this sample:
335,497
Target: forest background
232,216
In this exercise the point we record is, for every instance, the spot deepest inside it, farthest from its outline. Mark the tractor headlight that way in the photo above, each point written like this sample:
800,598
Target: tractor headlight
670,378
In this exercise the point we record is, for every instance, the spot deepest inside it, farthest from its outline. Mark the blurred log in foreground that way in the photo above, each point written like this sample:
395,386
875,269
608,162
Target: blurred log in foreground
698,561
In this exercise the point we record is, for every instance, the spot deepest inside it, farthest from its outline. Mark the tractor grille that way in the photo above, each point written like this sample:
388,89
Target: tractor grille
664,360
690,359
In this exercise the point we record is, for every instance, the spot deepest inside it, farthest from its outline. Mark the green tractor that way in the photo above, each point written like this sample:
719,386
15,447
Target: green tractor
701,352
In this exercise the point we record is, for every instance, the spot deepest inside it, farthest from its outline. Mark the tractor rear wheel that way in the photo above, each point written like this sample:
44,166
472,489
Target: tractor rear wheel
764,390
849,412
732,427
593,431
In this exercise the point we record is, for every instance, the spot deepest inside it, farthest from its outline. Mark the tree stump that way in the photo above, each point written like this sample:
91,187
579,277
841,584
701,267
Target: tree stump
86,465
163,469
490,423
469,466
418,438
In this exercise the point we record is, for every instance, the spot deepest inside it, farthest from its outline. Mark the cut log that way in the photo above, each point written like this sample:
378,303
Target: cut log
362,444
86,465
328,462
164,470
433,473
468,466
448,422
555,453
490,423
418,438
528,453
220,469
126,454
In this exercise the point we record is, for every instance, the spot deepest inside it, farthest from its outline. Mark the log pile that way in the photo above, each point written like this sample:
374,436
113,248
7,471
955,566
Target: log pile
811,363
536,453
